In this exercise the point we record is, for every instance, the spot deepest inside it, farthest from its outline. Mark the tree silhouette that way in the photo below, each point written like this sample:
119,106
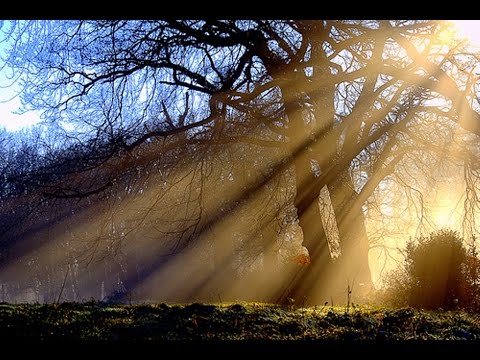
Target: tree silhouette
436,271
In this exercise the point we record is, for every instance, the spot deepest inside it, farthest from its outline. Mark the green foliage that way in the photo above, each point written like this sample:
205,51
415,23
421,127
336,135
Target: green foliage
437,274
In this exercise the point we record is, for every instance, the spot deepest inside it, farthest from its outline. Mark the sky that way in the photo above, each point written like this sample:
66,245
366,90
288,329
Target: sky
9,102
9,120
469,29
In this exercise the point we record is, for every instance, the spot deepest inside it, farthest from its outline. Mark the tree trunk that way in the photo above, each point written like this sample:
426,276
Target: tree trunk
313,281
309,283
353,263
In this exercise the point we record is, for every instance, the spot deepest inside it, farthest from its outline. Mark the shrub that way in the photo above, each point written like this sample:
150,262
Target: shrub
436,273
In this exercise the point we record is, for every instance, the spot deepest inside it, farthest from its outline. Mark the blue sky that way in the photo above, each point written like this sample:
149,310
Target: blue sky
9,102
9,120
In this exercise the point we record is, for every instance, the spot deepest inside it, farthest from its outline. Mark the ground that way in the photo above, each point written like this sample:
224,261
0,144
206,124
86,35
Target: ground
96,321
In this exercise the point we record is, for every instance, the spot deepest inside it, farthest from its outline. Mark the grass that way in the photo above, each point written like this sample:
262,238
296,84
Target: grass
102,322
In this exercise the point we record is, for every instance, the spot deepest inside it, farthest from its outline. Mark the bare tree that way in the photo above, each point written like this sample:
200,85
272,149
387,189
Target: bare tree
331,97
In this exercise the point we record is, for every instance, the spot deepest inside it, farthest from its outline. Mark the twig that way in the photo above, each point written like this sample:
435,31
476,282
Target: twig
63,284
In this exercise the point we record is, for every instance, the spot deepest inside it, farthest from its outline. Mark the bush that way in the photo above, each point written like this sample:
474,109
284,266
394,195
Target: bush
436,274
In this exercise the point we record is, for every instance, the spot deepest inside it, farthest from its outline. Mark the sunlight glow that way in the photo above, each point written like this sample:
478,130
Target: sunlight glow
445,218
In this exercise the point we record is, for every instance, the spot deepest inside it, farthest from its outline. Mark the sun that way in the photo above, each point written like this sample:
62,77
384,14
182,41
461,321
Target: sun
447,207
468,29
445,219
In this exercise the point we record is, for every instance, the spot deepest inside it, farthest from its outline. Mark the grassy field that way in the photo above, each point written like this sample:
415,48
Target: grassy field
102,322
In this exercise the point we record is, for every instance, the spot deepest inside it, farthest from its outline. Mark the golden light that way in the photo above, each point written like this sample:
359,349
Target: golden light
447,206
445,218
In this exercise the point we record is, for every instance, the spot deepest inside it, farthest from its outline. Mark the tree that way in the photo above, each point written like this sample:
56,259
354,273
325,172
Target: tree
436,272
326,95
